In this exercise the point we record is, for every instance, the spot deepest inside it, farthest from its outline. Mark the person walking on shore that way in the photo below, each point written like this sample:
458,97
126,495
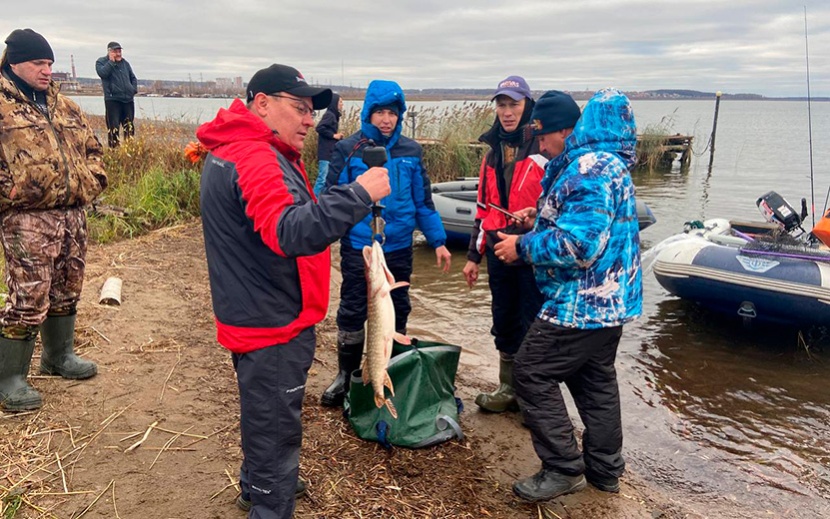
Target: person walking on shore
50,168
510,177
267,243
585,246
120,87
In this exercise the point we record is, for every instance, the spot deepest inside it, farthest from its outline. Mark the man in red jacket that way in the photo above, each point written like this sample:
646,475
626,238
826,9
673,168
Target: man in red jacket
510,178
267,243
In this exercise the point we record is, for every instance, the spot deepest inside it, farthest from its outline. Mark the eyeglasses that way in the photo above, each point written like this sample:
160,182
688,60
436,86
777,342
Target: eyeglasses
301,107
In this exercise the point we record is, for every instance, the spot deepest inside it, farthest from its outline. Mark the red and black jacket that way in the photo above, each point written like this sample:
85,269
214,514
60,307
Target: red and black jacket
266,237
523,191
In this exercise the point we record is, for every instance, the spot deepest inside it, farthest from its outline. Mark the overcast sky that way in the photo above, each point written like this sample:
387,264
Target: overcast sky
736,46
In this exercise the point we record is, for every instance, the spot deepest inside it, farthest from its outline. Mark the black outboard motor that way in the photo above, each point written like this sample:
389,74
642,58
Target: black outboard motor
777,210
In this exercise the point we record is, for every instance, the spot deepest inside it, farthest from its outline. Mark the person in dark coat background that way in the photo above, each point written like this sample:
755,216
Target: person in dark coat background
120,87
327,137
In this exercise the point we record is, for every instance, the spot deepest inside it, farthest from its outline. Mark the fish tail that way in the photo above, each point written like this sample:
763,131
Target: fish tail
391,407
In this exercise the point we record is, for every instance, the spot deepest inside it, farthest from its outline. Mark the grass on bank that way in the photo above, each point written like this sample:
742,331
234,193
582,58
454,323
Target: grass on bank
152,184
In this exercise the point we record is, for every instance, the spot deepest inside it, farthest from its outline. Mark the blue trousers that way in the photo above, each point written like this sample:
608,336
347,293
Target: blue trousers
271,390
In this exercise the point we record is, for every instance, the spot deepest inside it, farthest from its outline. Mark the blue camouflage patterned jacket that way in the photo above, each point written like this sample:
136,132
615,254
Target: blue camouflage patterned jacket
585,243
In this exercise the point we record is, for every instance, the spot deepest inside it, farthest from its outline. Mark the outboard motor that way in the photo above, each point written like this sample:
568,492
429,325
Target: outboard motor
778,211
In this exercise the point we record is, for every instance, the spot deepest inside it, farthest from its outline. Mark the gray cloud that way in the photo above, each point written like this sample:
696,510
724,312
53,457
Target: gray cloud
740,46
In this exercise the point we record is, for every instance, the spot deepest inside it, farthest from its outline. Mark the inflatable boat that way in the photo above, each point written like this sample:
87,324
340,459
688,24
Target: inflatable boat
456,203
747,271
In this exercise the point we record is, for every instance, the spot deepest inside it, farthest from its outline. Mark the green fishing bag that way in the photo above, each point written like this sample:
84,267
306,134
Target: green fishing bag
424,379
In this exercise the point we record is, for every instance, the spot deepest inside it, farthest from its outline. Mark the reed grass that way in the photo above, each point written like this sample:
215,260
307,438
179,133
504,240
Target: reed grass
449,136
650,153
151,182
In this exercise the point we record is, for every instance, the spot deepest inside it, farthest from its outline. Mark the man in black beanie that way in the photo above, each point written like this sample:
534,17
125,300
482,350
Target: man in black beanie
50,168
583,240
120,87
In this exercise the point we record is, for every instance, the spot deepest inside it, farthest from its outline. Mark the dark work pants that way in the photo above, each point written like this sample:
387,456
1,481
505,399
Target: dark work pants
119,114
271,389
353,297
515,302
584,361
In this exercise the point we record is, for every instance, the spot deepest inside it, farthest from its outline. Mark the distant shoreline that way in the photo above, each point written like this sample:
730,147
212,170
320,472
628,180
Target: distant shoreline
579,96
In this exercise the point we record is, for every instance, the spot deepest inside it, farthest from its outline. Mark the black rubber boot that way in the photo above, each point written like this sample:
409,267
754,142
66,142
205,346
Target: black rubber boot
504,398
58,336
547,484
15,393
349,353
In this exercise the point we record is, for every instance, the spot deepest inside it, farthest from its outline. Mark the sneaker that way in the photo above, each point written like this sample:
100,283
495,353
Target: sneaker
245,504
547,484
606,484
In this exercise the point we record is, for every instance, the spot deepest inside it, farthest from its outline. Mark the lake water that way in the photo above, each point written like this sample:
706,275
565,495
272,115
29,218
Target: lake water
710,410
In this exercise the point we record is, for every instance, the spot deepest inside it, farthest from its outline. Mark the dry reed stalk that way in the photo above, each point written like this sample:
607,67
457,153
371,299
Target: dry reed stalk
214,433
101,334
168,444
115,508
183,433
89,506
63,474
143,438
166,380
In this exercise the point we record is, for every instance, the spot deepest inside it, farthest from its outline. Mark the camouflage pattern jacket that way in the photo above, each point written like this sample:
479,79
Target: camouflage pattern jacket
46,162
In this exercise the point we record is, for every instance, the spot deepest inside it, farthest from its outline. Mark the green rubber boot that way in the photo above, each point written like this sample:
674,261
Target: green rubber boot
15,393
504,398
58,336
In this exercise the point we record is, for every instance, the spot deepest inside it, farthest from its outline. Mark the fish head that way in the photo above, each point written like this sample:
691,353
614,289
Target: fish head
377,272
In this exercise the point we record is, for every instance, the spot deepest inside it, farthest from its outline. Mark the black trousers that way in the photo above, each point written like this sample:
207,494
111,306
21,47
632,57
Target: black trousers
584,361
353,298
119,114
515,302
271,389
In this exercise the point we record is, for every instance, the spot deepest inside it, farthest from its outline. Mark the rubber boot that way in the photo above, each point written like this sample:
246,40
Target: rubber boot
58,336
15,393
349,353
504,398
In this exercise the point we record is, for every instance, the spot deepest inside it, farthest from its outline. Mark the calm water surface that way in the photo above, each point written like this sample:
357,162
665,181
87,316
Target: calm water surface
738,417
710,409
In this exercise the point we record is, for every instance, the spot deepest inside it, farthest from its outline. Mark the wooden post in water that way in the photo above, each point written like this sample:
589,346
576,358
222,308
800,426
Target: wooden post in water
714,131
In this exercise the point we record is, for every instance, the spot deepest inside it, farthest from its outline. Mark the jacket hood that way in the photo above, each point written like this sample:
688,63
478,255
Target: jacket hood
238,124
607,124
335,100
382,93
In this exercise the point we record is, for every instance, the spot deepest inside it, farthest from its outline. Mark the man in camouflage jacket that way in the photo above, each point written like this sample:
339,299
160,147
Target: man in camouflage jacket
50,168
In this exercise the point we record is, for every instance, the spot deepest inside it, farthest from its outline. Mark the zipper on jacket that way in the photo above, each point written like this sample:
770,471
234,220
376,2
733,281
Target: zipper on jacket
55,134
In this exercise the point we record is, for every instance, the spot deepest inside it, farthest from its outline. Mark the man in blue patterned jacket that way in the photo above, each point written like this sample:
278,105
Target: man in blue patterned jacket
584,246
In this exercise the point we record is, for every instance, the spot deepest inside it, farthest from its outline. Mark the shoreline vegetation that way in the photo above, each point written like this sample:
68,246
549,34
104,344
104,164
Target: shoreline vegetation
153,185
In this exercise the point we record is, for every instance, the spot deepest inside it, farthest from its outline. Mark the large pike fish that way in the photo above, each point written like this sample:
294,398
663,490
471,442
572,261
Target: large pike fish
380,325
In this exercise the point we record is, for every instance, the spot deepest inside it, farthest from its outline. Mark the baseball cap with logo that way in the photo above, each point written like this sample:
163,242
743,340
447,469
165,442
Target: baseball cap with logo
515,87
282,78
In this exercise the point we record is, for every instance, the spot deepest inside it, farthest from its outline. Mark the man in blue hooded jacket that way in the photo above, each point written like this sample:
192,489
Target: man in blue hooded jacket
584,246
407,207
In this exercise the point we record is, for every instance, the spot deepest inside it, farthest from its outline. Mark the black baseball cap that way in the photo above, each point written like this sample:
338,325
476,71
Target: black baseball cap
282,78
113,45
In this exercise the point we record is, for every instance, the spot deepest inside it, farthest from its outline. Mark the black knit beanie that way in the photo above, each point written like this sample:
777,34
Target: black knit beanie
26,45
